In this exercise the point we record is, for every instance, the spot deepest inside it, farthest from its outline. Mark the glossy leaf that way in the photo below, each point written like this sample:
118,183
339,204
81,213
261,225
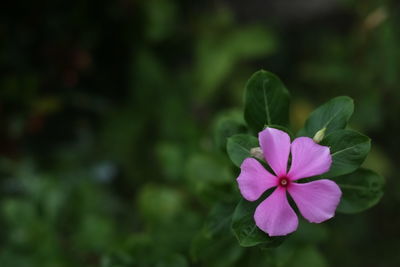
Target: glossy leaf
348,149
361,190
266,101
245,229
239,146
333,115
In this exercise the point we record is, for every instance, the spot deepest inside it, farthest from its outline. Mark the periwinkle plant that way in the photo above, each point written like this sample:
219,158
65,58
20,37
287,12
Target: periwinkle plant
323,151
314,173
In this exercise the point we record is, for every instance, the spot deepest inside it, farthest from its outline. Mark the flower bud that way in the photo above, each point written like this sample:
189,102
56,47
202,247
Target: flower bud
257,153
319,135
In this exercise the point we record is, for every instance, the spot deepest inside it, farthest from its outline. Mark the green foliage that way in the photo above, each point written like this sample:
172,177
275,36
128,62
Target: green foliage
361,189
332,115
266,104
224,48
348,149
115,117
266,101
239,147
306,256
159,204
245,229
227,125
215,243
209,177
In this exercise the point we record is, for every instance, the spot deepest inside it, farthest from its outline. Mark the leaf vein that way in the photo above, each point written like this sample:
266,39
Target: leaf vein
347,148
266,105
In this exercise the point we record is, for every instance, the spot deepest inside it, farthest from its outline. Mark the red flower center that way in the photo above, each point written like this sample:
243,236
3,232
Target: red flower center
283,181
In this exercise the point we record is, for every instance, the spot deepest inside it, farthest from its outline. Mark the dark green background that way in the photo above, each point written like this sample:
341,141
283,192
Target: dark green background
108,111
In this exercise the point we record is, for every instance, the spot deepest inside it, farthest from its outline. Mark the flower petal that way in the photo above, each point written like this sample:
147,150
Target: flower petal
275,145
275,216
308,159
317,200
254,179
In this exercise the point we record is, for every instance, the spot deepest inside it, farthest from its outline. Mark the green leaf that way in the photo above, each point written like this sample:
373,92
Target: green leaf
348,149
361,190
245,229
239,146
266,101
226,125
333,115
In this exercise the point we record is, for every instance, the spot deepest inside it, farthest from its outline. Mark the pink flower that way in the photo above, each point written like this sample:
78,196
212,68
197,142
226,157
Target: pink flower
317,200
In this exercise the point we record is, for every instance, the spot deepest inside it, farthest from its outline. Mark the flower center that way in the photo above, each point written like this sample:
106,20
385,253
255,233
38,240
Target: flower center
283,181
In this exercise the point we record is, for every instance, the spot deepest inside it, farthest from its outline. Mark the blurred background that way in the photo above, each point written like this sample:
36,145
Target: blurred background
108,111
